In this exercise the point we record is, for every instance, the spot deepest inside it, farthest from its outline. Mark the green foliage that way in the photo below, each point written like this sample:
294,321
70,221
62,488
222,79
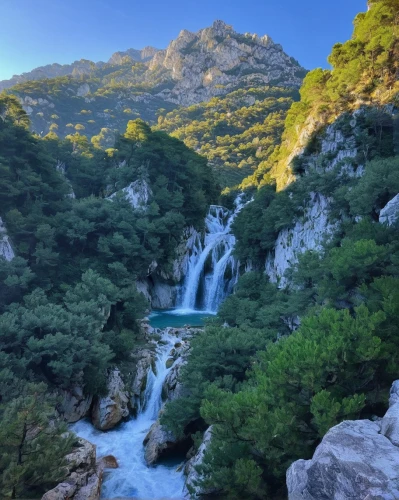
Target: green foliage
68,301
33,451
235,132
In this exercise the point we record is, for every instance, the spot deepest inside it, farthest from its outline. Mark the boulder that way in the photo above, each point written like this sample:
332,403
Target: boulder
172,388
84,476
109,411
157,442
356,459
108,462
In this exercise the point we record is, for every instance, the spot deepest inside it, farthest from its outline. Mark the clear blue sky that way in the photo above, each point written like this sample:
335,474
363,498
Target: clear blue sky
38,32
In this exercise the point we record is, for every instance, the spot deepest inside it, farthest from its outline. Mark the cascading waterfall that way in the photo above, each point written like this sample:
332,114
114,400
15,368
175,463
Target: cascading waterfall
133,478
207,282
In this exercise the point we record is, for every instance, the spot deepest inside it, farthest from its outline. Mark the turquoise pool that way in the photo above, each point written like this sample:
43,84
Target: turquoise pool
177,318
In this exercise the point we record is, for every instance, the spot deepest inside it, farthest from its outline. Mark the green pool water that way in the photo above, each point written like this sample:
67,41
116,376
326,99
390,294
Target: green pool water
177,318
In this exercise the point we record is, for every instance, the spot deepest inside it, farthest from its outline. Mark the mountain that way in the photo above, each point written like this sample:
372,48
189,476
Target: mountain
230,89
194,68
77,68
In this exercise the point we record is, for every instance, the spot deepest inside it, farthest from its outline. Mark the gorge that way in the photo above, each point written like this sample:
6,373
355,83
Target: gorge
199,272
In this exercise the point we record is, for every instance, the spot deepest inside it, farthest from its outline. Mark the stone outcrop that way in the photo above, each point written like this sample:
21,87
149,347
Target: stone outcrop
84,478
75,405
356,459
314,224
144,361
390,213
134,55
138,194
157,442
193,476
307,234
6,251
109,411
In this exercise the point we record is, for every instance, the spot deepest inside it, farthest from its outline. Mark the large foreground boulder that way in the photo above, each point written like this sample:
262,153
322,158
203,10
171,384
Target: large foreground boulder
84,476
357,459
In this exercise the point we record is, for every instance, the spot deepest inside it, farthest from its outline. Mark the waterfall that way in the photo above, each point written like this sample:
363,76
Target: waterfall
133,478
207,280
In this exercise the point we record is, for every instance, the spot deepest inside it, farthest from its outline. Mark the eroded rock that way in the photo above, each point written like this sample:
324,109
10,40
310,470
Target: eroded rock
390,213
109,411
158,442
193,476
75,405
356,459
84,476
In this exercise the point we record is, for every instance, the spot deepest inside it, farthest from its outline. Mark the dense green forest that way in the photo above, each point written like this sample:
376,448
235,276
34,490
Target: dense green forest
299,359
68,299
279,365
236,132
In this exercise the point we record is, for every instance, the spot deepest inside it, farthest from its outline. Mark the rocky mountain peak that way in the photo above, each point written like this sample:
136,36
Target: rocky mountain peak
217,60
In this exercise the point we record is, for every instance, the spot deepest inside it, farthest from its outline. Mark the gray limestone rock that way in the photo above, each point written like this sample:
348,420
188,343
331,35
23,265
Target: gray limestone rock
356,460
75,405
157,441
109,411
190,470
390,213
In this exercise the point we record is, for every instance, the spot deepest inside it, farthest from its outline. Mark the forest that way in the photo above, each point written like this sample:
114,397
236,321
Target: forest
284,360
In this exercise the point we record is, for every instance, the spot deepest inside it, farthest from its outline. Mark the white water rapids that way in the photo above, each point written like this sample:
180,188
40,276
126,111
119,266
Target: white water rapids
211,275
133,478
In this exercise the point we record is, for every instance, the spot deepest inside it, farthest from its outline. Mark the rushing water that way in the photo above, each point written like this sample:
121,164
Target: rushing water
212,270
133,478
211,276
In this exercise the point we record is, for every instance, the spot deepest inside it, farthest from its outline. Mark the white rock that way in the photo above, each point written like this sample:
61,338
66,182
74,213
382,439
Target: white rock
138,193
193,475
356,459
83,90
390,213
307,234
6,250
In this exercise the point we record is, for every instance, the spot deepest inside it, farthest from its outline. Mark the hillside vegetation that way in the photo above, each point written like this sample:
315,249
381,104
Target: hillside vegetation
298,359
68,300
235,133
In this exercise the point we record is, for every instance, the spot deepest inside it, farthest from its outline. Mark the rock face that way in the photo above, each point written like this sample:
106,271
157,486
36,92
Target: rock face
75,405
314,224
192,474
357,459
145,359
138,194
109,411
6,250
390,213
307,234
135,55
84,476
217,59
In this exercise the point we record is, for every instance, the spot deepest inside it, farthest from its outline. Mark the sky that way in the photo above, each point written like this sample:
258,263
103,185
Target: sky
38,32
